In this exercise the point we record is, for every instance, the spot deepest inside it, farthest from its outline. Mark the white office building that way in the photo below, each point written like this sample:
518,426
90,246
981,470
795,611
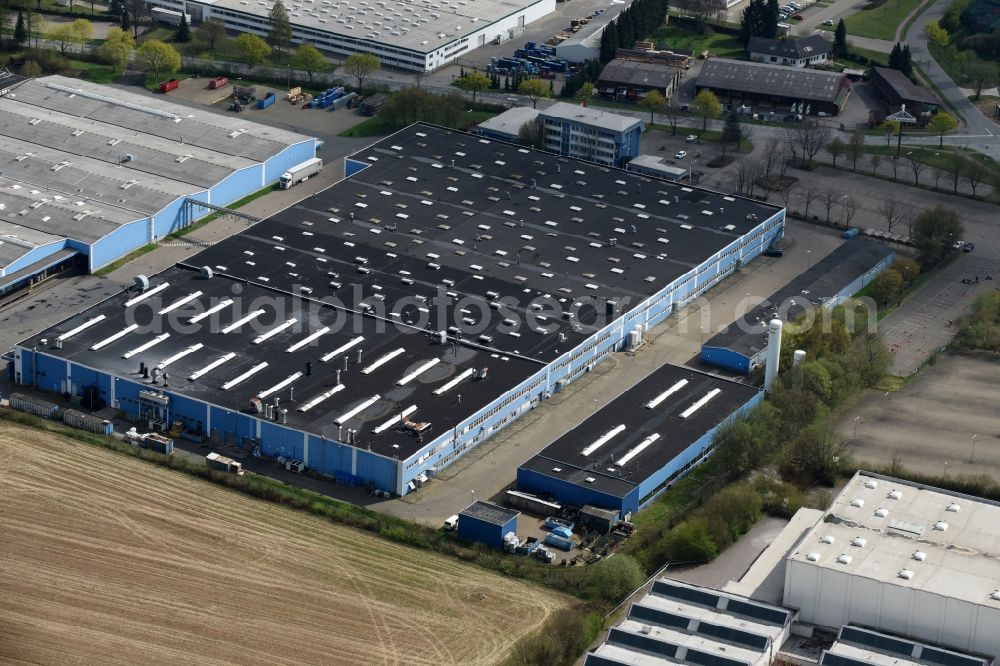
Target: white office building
417,35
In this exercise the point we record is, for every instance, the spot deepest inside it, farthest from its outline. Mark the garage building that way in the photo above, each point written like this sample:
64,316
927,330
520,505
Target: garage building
487,523
383,328
774,88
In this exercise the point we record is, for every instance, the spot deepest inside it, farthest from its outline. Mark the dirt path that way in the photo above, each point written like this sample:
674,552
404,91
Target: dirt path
899,36
105,559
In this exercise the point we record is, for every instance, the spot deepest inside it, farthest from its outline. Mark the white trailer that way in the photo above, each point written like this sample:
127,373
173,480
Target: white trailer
168,16
300,172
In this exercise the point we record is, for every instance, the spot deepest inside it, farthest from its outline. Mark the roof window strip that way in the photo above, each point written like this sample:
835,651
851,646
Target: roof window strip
179,355
180,302
82,327
666,394
383,360
424,367
351,413
700,403
243,320
321,397
308,339
146,345
143,296
455,381
394,420
279,386
245,376
343,348
212,366
642,446
221,305
603,439
267,335
108,340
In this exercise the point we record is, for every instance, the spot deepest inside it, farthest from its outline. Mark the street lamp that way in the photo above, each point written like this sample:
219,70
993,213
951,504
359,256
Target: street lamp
843,210
972,455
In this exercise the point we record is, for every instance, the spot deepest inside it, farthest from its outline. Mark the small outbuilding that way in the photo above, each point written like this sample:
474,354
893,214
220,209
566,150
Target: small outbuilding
487,523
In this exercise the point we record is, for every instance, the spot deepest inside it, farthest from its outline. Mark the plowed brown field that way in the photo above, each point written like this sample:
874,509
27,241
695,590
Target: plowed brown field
107,559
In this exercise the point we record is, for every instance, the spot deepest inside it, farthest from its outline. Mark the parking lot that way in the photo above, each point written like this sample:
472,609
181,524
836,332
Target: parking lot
945,421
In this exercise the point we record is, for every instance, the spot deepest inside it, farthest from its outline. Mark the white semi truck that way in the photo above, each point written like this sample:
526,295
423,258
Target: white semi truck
300,172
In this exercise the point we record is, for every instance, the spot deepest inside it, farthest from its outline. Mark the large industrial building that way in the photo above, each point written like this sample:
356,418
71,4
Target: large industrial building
904,558
92,172
861,646
681,624
626,454
386,326
414,35
841,274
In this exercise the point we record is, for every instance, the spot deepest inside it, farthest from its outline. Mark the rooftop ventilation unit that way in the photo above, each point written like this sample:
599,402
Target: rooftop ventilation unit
826,538
953,508
844,559
905,574
813,557
871,484
857,502
941,526
881,513
859,542
895,494
919,555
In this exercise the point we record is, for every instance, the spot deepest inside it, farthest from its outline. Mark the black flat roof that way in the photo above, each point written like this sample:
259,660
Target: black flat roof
443,411
444,211
627,422
824,280
489,513
444,231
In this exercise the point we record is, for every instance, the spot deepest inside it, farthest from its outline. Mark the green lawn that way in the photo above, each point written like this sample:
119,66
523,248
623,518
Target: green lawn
379,126
880,22
96,72
877,57
719,44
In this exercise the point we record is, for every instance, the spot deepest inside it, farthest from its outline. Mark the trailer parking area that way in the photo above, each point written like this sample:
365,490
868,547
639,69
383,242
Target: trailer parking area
111,560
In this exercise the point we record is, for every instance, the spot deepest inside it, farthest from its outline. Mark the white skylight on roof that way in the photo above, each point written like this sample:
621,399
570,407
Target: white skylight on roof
700,403
148,345
82,327
666,394
383,360
179,355
424,367
394,420
603,439
279,386
245,376
351,413
146,294
455,381
309,338
305,407
108,340
274,331
624,460
212,366
243,320
221,305
181,302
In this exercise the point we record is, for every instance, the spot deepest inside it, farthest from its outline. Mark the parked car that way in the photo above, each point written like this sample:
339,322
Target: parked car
828,22
691,138
968,247
681,154
774,252
958,245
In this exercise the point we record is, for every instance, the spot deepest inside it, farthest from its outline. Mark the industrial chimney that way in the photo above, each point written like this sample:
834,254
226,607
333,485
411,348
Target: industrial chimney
773,353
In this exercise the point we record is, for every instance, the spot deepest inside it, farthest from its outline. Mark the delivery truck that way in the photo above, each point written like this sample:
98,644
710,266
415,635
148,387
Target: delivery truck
300,172
223,464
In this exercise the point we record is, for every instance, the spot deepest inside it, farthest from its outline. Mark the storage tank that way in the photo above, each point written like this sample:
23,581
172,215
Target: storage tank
773,352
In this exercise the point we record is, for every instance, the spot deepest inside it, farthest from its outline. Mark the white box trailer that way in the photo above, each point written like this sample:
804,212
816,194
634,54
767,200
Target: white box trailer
168,16
300,172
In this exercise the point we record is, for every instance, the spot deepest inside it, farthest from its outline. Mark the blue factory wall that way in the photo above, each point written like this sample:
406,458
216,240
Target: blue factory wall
484,532
237,185
725,358
118,243
33,255
287,158
572,493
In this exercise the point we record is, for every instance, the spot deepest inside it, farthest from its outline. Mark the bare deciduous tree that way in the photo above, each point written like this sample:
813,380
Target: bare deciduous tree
892,212
810,137
830,196
974,175
916,166
809,194
849,209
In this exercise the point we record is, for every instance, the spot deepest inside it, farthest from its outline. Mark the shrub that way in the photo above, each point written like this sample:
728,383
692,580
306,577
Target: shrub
689,542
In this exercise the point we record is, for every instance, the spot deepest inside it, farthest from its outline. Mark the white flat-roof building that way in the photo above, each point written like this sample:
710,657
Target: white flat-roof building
417,35
677,623
905,558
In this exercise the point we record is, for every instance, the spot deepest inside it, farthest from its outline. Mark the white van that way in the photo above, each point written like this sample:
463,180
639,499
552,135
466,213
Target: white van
451,523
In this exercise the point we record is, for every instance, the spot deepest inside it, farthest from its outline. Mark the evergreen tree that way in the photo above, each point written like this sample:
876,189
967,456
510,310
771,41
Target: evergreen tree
183,34
609,42
895,56
115,7
20,30
280,35
906,61
840,40
769,20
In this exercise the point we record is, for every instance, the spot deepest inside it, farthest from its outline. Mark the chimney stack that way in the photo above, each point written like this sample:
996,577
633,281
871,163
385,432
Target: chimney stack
773,353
